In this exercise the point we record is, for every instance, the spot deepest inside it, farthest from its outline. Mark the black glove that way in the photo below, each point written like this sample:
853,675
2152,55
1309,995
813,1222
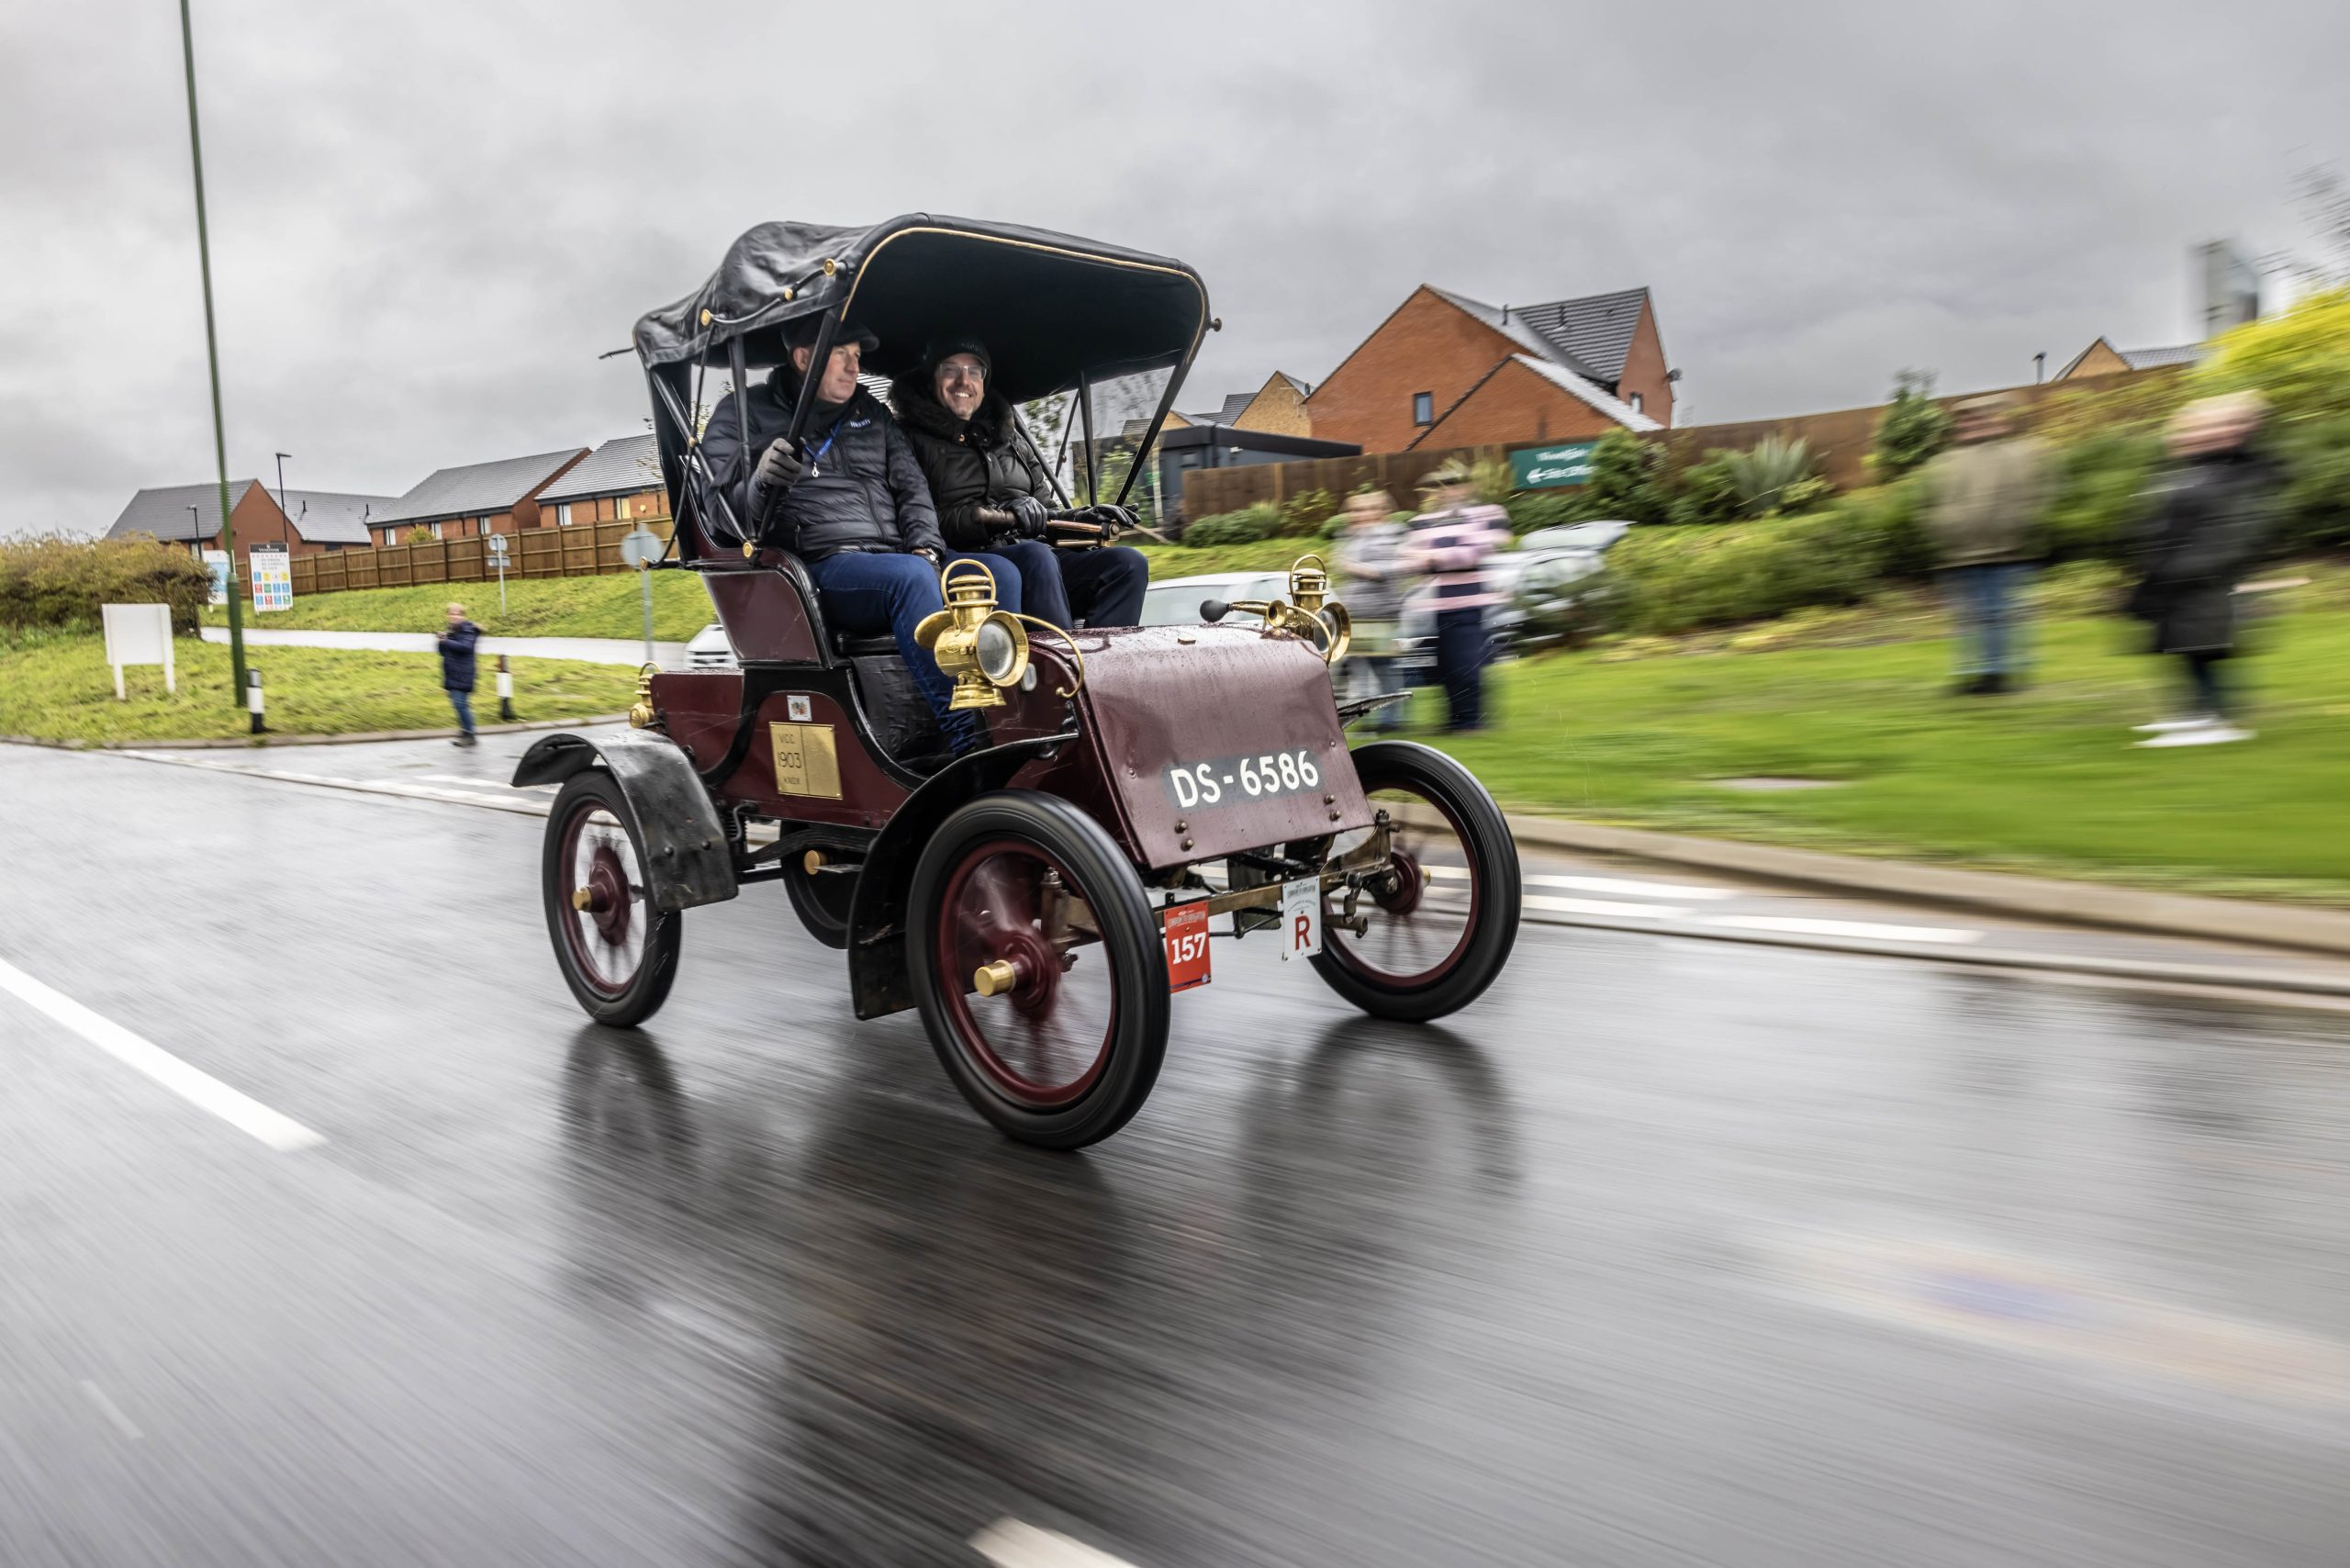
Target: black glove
779,468
1028,515
1119,518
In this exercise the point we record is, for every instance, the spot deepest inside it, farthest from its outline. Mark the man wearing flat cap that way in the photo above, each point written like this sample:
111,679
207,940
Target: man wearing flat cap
851,503
963,434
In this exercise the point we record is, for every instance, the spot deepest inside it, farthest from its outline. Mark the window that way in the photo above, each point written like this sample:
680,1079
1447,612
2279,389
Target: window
436,530
563,515
1639,403
1423,407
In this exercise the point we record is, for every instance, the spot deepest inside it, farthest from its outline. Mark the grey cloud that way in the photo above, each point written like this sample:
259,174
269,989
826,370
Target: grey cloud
430,219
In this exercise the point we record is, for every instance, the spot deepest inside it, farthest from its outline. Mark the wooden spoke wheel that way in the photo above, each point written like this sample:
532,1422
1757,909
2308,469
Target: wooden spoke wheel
1439,919
618,953
1038,968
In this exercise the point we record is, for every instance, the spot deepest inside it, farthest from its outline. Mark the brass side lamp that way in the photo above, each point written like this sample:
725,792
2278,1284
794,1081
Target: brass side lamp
982,649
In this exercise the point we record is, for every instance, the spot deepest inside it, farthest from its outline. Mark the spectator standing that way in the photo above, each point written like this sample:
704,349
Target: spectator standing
1450,544
457,645
2209,518
1985,498
1372,576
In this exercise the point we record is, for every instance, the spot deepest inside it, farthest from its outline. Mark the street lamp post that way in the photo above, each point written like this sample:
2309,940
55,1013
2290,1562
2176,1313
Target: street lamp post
212,354
281,485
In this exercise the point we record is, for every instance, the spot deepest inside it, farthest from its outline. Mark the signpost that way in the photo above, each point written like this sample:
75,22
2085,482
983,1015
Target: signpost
498,554
1549,467
273,578
139,634
640,548
216,563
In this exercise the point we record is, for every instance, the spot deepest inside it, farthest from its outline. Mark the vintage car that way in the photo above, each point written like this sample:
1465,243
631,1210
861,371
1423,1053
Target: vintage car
1041,899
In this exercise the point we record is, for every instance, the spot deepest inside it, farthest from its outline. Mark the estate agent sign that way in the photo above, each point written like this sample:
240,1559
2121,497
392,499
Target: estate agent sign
1546,468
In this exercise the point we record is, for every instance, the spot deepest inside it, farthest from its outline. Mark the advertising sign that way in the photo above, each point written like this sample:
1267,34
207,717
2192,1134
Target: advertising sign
139,634
216,563
1548,467
273,568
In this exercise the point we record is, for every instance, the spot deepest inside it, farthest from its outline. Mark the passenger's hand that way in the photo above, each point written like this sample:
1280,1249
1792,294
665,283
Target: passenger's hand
779,468
1117,517
1028,516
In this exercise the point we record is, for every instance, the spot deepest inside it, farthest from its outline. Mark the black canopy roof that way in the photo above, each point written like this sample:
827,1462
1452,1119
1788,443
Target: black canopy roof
1048,305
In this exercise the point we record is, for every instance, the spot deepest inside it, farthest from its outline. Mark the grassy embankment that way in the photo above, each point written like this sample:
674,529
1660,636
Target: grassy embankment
607,606
57,687
2041,781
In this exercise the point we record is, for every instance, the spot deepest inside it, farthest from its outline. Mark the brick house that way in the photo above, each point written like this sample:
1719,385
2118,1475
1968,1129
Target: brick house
1437,348
2101,358
618,480
322,520
478,498
1278,407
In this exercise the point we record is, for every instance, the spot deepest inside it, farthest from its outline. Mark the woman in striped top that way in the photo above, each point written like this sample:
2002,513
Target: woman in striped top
1450,543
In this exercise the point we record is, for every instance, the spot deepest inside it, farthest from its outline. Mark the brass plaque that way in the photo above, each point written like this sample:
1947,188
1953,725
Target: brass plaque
806,760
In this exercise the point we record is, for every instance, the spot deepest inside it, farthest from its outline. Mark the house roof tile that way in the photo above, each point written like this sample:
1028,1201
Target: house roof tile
621,465
476,488
163,510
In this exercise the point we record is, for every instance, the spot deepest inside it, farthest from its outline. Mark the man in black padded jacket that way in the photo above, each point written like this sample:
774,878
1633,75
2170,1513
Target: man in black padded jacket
962,434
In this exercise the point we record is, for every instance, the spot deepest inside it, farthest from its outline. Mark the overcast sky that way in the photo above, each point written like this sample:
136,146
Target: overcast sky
429,219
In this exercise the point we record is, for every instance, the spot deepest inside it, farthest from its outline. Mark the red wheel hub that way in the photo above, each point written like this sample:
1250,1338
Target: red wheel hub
607,900
1041,1041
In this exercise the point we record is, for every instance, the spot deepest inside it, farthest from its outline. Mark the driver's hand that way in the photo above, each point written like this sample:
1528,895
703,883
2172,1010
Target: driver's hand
1112,517
779,468
1028,516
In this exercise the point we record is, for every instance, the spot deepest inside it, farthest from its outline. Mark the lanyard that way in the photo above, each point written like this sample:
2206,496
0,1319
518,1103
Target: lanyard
816,457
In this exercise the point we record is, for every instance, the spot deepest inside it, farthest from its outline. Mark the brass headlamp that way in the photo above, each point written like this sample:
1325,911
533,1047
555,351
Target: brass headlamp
641,712
982,648
1314,615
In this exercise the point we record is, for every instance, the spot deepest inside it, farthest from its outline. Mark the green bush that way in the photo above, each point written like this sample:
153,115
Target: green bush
2099,485
1888,521
60,583
2315,512
1707,493
1530,510
1305,514
1912,428
1245,526
1678,579
1627,480
1764,475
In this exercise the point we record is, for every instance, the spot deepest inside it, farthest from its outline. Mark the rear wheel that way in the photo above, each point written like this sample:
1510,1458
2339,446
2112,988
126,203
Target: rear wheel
618,953
1037,968
821,899
1439,920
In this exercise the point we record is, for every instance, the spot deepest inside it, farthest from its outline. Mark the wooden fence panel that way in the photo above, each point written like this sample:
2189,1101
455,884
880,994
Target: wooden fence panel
586,550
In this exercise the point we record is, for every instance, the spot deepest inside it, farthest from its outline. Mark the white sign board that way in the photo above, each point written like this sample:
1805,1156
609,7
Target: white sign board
139,634
639,547
1302,918
216,563
273,578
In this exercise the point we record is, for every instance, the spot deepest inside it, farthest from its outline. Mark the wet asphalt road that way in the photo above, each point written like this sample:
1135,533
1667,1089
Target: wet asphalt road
1666,1252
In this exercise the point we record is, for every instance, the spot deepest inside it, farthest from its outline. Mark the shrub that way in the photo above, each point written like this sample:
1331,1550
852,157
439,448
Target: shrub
2298,359
1706,494
1530,510
1493,481
2314,511
1305,514
1763,475
60,583
1678,579
419,534
1913,427
1626,480
2099,485
1245,526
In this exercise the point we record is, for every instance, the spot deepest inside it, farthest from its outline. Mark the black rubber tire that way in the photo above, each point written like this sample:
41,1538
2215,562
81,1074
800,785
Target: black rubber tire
1130,945
821,903
1485,835
648,988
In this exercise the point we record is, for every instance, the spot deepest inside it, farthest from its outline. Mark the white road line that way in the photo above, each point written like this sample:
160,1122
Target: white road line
198,1087
1604,906
1802,926
1008,1543
108,1408
1622,886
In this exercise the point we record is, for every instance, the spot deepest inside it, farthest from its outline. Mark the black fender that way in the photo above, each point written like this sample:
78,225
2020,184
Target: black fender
879,983
689,861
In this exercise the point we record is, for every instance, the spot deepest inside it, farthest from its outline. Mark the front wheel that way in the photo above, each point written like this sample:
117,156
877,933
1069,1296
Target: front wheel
617,952
1437,922
1038,968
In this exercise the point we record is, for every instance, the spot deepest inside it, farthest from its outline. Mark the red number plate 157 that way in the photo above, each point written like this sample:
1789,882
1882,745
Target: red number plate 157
1185,927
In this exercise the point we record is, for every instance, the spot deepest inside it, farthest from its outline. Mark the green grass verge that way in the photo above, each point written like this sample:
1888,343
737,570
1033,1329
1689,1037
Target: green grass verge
57,688
1259,555
2043,781
607,606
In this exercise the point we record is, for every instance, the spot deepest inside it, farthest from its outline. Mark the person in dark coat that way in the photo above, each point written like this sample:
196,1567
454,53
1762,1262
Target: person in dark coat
852,504
963,435
457,646
2206,524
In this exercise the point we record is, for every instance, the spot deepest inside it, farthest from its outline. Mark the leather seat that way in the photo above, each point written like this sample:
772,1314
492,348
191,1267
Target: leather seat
863,644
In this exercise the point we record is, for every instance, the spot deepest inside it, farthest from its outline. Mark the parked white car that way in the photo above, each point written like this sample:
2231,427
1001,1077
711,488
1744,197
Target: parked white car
709,649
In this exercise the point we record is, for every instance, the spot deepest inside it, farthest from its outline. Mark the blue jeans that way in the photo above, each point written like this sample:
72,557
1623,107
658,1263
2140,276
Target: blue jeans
1984,598
1104,586
1461,665
463,701
871,593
